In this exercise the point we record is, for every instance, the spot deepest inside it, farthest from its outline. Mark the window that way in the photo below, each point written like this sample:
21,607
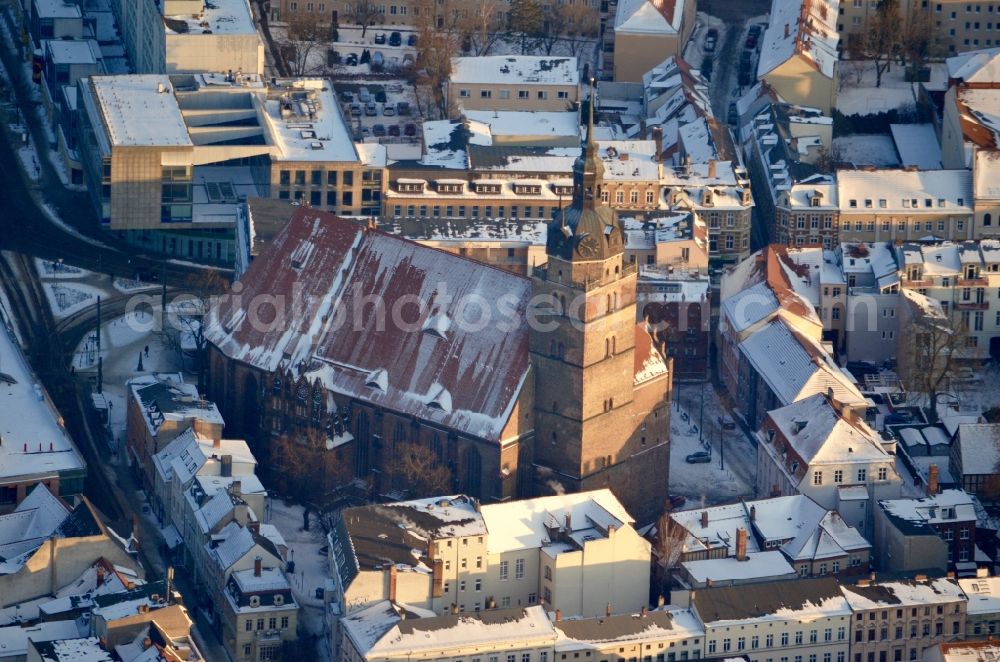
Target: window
784,639
828,634
503,570
711,646
769,640
284,622
726,645
817,478
841,635
862,475
519,569
248,626
838,476
754,642
486,94
883,473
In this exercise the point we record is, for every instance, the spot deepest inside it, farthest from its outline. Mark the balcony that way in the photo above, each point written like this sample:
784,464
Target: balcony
972,305
973,282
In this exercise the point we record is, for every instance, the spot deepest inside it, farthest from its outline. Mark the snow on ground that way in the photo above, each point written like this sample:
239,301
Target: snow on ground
65,299
48,269
122,341
859,96
707,484
129,285
311,568
979,392
867,149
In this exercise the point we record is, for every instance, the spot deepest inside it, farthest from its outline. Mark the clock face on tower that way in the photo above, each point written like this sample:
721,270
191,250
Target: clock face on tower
588,247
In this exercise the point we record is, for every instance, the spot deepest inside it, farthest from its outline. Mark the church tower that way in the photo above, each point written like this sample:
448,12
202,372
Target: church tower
602,392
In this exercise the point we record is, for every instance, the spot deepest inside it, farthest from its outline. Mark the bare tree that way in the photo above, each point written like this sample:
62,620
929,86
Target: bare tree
436,47
305,35
309,470
418,468
183,330
917,42
881,40
363,13
580,22
932,349
481,25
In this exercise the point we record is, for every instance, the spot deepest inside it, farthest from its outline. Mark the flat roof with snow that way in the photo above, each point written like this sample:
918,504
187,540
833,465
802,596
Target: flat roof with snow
217,17
140,111
515,70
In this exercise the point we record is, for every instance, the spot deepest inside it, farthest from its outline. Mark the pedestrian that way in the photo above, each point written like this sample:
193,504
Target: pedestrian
147,351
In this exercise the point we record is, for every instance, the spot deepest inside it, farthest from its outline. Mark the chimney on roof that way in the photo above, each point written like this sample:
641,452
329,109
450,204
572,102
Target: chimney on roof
607,610
100,575
611,530
645,611
569,522
658,140
392,582
216,441
829,393
753,513
454,609
704,519
708,582
237,488
660,601
741,544
933,480
558,615
257,566
227,466
254,527
146,643
712,169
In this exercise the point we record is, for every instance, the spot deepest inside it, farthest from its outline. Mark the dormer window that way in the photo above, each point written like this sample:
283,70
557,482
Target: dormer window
906,203
562,189
450,187
941,202
254,601
883,203
410,186
928,202
527,189
961,202
492,188
279,600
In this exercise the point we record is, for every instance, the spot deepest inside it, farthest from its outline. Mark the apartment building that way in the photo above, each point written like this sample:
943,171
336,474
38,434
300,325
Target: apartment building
982,615
796,620
869,297
905,205
822,448
812,540
964,279
190,36
259,613
644,33
173,176
514,82
799,52
575,553
159,408
898,620
676,303
936,531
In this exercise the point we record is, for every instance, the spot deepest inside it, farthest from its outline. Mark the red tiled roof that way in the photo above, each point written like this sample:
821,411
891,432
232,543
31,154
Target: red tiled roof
459,376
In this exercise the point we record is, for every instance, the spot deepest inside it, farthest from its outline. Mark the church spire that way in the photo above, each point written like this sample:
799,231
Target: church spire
588,171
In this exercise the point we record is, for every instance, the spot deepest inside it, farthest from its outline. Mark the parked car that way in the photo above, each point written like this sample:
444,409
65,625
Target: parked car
394,88
395,39
410,129
380,96
733,115
378,60
408,60
351,60
366,132
411,40
380,38
403,108
347,97
378,130
388,110
371,110
701,457
355,110
394,130
364,96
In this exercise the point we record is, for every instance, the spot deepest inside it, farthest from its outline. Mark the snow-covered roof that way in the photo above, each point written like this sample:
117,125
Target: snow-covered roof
657,17
305,122
35,442
907,592
949,506
140,111
56,9
796,367
795,524
979,447
983,594
666,623
34,520
794,600
807,28
72,650
917,145
986,171
527,123
524,524
270,579
378,631
14,639
820,434
72,51
333,264
167,400
893,191
223,17
515,70
969,651
759,566
980,66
